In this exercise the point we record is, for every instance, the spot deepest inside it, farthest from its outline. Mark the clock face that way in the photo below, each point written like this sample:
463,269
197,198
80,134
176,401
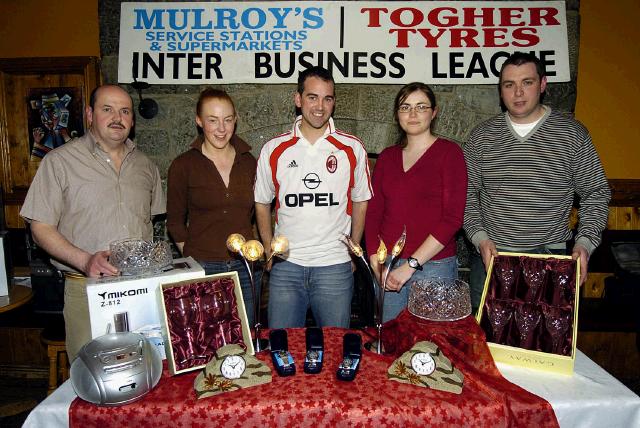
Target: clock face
423,364
232,367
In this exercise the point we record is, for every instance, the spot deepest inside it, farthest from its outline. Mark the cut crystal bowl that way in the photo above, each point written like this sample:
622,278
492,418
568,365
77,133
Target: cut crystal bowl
440,299
140,256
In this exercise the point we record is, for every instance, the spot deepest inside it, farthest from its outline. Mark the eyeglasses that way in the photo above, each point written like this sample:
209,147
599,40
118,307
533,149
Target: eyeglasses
418,108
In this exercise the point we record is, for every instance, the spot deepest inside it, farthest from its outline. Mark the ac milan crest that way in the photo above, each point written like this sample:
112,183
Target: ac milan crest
332,164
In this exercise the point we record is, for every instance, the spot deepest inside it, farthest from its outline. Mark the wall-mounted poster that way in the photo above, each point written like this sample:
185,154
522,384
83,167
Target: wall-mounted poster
55,117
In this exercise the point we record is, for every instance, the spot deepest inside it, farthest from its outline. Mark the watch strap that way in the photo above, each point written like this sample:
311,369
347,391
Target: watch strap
414,263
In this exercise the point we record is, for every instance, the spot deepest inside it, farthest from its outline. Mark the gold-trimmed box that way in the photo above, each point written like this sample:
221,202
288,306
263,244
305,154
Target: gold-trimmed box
199,316
533,358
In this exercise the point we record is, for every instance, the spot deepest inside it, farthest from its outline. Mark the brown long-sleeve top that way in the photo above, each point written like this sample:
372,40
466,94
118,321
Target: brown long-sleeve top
201,211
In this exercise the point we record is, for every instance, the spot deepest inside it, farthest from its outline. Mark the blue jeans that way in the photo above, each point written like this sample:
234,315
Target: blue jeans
293,288
245,283
396,301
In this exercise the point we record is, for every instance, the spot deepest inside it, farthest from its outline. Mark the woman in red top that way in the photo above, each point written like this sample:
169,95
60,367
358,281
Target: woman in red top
210,192
420,183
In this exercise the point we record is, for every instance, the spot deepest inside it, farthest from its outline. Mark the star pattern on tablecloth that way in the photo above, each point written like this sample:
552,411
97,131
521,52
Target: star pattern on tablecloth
371,400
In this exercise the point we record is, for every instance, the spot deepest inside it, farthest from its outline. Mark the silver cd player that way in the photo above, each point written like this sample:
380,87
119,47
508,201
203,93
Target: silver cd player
116,369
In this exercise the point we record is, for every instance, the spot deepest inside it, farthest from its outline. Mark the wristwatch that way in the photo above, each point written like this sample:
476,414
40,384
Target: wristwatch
413,262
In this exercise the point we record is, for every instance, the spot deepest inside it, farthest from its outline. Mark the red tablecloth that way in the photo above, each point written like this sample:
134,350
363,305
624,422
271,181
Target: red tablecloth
371,400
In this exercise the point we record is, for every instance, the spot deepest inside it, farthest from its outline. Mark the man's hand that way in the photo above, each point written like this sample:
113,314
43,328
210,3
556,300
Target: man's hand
267,253
263,221
579,252
180,246
48,237
487,249
98,265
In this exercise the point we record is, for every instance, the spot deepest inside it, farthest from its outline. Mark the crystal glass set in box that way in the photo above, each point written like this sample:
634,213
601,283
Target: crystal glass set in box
202,316
529,303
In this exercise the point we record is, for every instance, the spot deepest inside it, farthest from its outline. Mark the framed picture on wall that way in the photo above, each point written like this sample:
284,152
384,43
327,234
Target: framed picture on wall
54,117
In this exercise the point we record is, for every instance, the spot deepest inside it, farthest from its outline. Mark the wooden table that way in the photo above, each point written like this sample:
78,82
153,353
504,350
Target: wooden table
18,296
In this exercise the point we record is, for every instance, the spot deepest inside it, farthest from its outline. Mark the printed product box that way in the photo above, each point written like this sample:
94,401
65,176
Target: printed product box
130,303
201,315
529,310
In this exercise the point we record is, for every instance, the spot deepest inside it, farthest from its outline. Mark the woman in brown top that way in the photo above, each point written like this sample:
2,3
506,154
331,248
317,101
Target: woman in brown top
210,192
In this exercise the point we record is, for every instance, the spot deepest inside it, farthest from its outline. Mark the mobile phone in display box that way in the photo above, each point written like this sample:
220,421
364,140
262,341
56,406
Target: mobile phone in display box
529,310
130,303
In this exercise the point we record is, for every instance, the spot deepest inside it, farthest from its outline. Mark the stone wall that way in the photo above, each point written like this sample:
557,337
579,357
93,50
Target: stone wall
363,110
268,110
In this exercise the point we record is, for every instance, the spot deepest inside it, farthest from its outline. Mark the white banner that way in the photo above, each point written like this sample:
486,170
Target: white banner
437,42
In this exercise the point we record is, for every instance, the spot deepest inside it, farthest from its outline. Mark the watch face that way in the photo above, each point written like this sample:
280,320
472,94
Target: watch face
284,358
346,363
414,263
232,367
423,364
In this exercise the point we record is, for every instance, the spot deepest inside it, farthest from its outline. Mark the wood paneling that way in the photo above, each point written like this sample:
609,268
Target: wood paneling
625,193
17,76
623,218
594,285
620,219
5,349
616,352
573,218
22,346
624,208
12,215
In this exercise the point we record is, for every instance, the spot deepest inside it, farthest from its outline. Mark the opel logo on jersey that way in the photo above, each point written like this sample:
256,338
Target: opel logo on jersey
311,181
315,199
332,164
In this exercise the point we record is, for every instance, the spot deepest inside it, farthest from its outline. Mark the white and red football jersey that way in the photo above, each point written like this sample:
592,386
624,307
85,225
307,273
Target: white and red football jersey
314,186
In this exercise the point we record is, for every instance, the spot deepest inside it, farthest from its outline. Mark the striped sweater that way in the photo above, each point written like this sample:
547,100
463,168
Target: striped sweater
521,189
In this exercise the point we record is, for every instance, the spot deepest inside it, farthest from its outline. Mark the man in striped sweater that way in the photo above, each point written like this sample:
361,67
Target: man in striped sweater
524,168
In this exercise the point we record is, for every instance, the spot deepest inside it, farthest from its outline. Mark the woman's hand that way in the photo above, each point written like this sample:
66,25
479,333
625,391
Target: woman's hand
399,276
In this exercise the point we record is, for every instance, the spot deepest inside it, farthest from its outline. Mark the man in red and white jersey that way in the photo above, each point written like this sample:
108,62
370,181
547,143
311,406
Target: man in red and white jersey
319,178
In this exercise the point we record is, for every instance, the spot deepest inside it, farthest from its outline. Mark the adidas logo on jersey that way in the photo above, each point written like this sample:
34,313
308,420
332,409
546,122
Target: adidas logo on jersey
292,164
